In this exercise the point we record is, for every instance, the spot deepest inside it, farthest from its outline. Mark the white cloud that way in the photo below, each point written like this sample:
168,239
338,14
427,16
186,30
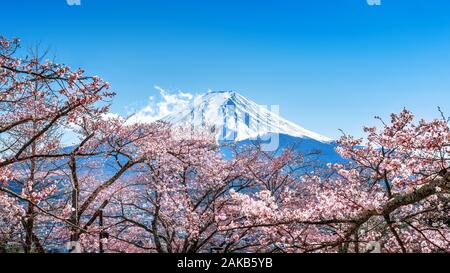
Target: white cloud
154,110
169,103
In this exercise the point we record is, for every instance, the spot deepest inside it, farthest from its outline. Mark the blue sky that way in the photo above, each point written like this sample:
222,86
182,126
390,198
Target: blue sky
328,64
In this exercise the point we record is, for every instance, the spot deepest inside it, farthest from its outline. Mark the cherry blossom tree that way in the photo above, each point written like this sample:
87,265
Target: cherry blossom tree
135,187
180,197
170,204
39,100
120,150
394,191
48,94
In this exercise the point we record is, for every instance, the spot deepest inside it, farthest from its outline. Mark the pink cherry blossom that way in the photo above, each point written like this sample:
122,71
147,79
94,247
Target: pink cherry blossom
134,187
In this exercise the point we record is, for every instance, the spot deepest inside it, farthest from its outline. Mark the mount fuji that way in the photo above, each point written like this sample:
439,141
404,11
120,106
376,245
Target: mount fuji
232,117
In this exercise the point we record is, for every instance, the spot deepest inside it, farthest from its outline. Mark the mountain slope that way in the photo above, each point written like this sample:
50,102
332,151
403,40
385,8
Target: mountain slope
234,118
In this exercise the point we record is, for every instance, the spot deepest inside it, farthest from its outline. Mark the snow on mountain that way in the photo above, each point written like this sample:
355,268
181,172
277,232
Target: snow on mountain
235,118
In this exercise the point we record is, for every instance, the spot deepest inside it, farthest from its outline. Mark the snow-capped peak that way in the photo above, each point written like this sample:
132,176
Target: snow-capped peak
234,118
